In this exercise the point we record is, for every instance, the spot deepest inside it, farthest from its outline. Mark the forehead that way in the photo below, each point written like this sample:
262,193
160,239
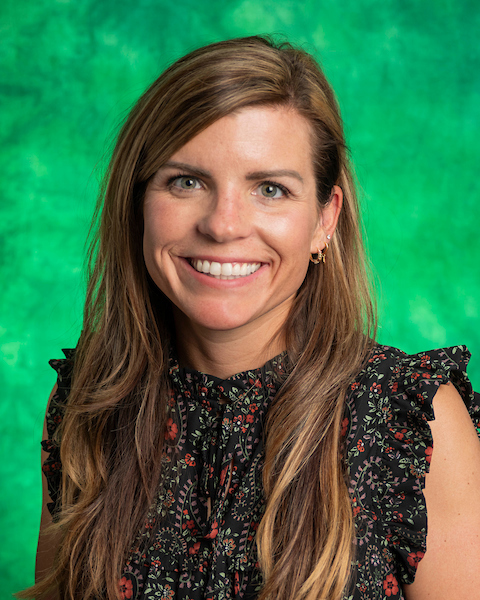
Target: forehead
275,134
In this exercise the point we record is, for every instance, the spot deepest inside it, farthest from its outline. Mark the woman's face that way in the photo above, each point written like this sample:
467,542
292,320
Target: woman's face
231,220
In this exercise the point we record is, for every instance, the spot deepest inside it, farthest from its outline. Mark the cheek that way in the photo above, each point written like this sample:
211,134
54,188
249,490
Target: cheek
157,225
153,241
166,221
149,258
293,235
149,241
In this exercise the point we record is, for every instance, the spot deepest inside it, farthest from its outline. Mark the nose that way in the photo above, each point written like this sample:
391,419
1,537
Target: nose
228,216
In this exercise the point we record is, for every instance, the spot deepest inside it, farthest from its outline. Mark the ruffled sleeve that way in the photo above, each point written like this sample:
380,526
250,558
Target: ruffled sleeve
389,447
52,467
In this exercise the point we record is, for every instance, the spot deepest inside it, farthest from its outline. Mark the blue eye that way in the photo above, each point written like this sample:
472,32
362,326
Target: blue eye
186,183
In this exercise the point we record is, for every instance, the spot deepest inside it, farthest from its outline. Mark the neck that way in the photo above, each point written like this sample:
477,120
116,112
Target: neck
225,353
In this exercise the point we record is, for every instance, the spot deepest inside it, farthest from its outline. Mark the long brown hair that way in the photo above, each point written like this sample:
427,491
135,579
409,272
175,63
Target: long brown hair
113,430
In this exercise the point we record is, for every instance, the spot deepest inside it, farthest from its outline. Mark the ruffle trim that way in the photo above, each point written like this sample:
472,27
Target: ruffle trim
390,445
52,467
387,435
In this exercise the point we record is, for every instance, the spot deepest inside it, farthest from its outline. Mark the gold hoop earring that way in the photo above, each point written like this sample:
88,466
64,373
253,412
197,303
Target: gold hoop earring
319,255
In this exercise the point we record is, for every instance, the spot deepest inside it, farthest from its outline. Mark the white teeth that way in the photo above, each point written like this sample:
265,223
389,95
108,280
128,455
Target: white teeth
225,270
215,269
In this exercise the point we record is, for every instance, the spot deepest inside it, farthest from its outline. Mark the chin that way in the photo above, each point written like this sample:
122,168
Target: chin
214,318
219,323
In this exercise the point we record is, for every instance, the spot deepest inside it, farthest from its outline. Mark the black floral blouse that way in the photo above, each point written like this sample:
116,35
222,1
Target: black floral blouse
198,542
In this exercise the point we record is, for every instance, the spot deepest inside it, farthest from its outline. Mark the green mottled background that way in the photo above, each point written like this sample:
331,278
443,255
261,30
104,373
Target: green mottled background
407,75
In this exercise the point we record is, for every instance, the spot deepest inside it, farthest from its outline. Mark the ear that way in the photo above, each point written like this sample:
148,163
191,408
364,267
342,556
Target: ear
327,219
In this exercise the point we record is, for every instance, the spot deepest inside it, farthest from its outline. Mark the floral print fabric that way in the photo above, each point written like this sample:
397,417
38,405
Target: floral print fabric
199,540
389,448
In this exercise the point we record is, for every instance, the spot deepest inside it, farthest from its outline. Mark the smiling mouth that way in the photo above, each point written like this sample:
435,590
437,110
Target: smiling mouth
224,270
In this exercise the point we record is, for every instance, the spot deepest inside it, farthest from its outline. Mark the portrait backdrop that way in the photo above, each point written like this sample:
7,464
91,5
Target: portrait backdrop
406,75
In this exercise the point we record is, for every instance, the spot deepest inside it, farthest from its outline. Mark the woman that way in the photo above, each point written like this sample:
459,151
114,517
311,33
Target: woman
229,428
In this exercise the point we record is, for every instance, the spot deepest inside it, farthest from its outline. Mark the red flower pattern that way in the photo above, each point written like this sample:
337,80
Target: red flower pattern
195,548
377,420
212,534
126,589
428,454
190,460
237,583
415,557
172,430
426,362
390,585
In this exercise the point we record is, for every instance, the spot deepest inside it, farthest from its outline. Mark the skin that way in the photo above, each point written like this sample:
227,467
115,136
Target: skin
224,326
450,567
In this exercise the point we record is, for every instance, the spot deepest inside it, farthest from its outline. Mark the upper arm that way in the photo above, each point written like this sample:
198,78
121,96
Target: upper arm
47,542
451,565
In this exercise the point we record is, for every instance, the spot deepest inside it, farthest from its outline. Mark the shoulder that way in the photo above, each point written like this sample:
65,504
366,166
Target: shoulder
389,445
51,464
452,493
58,398
392,379
64,366
390,404
390,362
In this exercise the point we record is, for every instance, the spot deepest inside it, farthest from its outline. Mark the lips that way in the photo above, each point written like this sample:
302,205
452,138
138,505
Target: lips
225,270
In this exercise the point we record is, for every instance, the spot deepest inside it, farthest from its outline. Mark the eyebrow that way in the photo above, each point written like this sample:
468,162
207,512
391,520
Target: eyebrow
172,164
250,177
273,174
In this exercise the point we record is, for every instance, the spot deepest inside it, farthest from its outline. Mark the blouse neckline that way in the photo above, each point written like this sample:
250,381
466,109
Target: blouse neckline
205,387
